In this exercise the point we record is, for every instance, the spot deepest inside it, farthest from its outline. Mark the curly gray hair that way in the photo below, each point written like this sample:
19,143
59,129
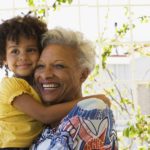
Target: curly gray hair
85,48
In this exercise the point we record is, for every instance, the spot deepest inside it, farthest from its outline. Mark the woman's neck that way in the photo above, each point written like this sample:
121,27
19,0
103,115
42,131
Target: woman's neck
71,98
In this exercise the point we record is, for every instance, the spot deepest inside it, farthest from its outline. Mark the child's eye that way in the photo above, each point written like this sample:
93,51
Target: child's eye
15,51
32,49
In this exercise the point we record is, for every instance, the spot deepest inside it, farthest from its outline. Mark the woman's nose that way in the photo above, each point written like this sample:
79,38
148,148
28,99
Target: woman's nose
48,73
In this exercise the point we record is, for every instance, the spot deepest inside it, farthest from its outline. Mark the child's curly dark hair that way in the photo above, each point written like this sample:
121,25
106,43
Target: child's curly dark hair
27,26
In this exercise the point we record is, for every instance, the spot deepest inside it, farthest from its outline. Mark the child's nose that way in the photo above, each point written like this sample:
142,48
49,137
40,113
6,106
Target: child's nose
23,56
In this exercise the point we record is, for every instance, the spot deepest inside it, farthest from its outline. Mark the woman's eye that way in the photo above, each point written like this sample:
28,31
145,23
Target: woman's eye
39,66
59,66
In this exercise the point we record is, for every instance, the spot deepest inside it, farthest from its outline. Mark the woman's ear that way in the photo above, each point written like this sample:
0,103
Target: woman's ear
5,62
84,74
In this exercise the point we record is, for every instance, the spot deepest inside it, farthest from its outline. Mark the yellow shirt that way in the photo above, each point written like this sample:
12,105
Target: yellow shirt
16,128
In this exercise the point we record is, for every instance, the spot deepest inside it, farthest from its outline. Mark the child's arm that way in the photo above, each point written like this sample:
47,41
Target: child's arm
45,114
48,114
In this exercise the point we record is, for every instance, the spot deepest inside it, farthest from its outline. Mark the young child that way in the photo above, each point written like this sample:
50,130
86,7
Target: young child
21,111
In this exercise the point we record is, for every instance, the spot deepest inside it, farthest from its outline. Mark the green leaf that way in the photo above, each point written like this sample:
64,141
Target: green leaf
30,3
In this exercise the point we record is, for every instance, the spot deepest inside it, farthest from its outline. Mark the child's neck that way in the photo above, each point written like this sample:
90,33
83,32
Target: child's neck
29,79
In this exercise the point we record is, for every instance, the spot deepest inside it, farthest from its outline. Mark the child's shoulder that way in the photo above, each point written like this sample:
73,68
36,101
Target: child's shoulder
13,80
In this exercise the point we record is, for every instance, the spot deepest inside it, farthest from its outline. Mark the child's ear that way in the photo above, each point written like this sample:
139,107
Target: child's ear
84,74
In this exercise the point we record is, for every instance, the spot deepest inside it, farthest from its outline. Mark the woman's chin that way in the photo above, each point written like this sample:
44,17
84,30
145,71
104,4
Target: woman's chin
50,100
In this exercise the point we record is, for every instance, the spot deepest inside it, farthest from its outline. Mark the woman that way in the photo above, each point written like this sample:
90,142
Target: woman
65,63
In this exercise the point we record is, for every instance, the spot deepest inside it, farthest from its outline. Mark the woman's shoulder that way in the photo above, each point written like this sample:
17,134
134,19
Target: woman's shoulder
92,103
100,97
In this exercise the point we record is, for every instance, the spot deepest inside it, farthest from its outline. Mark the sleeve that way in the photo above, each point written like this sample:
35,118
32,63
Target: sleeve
90,125
12,87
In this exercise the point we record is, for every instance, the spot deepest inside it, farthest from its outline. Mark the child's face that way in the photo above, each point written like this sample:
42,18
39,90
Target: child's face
22,58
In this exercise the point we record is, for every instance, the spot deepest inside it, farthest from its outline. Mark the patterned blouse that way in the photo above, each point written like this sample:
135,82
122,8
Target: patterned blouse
89,126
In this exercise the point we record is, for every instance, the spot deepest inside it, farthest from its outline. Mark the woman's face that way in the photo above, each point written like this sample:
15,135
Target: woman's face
58,76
